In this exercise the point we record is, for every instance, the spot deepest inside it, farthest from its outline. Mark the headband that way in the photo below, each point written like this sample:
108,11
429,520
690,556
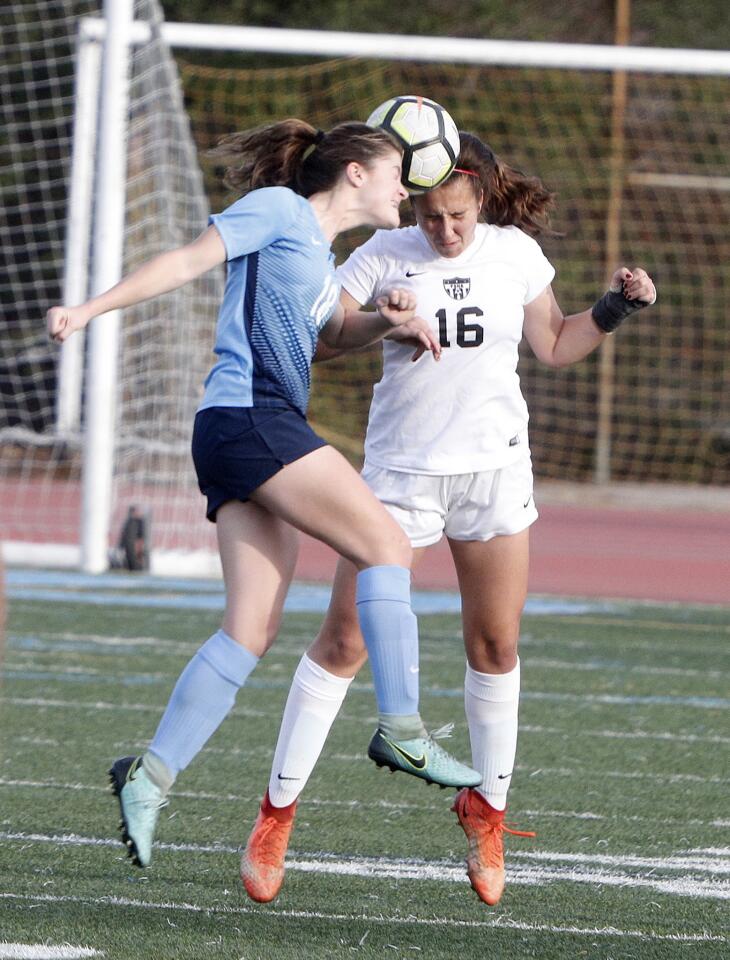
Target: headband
469,173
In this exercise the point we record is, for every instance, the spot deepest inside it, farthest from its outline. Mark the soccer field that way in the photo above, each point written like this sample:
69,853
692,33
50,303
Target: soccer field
623,771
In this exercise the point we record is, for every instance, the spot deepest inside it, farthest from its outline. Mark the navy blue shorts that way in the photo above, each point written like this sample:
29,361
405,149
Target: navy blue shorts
236,449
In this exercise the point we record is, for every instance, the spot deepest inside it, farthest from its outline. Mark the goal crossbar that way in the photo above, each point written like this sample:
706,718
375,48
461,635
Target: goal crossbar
518,53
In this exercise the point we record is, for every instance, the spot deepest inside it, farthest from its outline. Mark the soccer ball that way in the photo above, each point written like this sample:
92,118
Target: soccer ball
428,135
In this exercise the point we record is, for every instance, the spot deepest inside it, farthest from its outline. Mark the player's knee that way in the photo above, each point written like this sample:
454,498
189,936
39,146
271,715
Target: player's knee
493,651
393,548
339,646
346,658
405,550
503,661
256,633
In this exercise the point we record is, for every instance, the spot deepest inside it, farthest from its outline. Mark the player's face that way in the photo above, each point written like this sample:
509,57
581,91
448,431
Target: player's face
385,192
448,216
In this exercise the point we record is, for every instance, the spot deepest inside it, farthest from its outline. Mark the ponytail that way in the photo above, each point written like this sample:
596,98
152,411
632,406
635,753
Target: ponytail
510,198
294,154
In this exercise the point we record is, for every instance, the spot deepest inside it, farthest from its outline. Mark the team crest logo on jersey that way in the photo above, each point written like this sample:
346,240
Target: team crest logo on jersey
458,287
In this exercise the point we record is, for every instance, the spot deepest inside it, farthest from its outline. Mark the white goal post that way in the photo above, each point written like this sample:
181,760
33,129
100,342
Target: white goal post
114,84
516,53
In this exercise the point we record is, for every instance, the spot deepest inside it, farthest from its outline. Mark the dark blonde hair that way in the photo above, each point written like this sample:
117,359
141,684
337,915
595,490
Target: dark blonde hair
510,197
292,153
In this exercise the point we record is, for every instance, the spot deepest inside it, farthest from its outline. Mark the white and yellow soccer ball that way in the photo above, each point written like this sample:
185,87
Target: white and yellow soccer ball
428,135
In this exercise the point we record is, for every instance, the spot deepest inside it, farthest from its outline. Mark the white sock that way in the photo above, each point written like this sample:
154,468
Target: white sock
315,698
492,701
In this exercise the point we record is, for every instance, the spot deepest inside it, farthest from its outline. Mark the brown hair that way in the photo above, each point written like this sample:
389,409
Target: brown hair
292,153
510,197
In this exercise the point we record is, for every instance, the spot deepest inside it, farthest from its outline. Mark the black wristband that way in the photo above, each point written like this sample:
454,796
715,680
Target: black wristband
613,308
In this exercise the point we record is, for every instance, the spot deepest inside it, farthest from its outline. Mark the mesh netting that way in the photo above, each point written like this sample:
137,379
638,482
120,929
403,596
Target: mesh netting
671,416
664,185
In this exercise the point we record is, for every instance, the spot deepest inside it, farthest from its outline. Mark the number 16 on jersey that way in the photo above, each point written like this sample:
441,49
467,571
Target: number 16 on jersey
468,332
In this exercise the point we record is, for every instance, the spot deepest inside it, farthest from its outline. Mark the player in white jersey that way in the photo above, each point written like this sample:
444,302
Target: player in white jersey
447,452
261,466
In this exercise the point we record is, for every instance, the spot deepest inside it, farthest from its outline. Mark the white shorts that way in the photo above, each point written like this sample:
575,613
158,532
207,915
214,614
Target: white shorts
466,506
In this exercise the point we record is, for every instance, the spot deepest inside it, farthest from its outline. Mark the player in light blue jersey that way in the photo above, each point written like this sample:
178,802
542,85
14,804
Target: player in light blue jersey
264,471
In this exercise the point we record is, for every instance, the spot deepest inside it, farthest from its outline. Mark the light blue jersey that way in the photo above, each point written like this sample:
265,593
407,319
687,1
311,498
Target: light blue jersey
280,291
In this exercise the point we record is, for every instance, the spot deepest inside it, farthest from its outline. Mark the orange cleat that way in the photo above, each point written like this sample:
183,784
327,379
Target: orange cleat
262,863
484,828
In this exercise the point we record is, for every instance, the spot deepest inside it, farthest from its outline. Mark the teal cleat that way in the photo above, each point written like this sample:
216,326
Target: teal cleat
423,757
140,802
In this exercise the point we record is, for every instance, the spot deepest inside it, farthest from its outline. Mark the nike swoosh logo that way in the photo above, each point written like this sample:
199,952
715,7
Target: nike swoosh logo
418,762
279,777
415,273
132,772
413,669
527,502
503,776
317,243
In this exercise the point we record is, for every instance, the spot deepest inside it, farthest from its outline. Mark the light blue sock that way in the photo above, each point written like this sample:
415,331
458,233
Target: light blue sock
391,636
201,700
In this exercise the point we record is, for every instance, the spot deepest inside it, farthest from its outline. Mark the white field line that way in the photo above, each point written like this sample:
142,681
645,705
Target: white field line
638,624
524,729
40,741
615,700
669,778
69,743
574,666
712,862
581,773
283,649
75,641
626,734
612,666
121,707
27,672
702,860
703,645
290,644
526,876
694,701
80,704
291,640
41,951
502,921
379,804
443,872
105,640
561,772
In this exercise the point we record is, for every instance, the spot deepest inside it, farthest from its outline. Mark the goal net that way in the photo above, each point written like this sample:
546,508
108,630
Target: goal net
641,175
165,349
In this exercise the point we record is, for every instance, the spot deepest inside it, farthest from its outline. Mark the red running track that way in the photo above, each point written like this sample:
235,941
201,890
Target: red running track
584,551
620,541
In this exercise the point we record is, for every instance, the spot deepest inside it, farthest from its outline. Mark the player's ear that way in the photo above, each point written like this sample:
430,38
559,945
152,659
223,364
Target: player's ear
355,173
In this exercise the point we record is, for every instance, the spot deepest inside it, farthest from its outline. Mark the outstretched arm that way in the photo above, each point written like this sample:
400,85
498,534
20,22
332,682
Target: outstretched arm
558,340
162,273
349,327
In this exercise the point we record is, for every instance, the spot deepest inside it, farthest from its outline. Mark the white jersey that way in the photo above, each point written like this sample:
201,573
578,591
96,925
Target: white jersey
465,413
